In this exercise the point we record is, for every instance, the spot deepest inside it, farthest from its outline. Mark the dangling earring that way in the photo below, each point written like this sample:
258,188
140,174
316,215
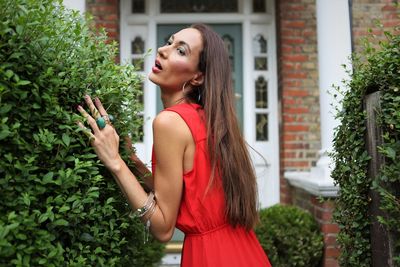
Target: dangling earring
183,87
199,97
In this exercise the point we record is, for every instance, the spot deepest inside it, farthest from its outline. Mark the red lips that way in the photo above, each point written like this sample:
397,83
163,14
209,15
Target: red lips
157,66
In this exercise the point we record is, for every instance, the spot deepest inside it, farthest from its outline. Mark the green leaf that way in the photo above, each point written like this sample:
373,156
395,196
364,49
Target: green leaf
43,217
64,208
26,199
5,108
23,82
66,139
61,222
9,73
48,178
391,153
4,134
12,216
18,29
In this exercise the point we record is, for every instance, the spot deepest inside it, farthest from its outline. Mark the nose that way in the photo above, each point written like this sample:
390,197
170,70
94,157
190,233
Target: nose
162,51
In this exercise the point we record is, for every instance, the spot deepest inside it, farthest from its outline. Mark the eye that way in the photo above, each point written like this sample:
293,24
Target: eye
181,51
169,42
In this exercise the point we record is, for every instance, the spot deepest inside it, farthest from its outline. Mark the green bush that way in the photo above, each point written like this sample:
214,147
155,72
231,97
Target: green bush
377,68
59,206
290,236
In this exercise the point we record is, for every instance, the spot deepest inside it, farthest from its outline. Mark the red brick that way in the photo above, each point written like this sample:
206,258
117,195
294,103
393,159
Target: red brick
297,75
289,101
297,110
330,240
296,128
294,24
325,216
295,58
295,146
297,164
390,24
295,41
330,263
330,228
389,8
332,252
291,83
288,137
298,93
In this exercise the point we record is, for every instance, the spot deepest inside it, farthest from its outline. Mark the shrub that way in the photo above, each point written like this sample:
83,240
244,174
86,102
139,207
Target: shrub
377,68
59,206
290,236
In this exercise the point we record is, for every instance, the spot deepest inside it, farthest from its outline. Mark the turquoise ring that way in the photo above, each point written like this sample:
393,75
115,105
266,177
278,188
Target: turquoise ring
101,122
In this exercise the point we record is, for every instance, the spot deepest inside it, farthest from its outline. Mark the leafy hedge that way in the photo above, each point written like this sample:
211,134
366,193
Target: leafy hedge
376,69
290,236
58,204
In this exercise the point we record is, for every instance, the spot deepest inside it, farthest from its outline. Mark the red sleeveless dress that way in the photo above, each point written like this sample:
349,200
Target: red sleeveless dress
209,240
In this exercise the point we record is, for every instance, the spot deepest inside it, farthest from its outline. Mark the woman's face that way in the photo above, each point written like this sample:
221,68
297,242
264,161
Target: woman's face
177,61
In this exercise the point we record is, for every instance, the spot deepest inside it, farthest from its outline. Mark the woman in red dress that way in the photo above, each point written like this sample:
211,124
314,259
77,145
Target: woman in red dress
202,179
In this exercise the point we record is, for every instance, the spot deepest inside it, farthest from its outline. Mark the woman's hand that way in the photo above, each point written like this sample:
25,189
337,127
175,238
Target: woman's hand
105,141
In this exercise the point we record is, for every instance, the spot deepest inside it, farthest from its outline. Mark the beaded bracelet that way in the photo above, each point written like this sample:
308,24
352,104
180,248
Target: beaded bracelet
140,212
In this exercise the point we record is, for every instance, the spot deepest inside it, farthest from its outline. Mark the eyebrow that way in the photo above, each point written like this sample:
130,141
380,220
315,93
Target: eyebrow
182,43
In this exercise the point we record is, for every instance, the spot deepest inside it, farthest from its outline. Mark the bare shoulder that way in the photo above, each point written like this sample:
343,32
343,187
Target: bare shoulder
169,122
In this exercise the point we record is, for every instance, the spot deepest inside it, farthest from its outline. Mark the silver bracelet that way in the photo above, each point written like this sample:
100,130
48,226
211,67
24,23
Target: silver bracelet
140,212
148,223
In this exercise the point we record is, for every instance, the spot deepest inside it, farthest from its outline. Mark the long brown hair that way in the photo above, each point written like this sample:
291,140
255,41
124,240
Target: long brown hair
228,152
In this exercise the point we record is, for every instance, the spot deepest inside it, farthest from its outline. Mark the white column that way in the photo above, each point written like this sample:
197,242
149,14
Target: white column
334,50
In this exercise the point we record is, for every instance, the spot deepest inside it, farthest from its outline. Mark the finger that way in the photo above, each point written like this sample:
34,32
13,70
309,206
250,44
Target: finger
93,110
86,131
100,107
89,119
82,111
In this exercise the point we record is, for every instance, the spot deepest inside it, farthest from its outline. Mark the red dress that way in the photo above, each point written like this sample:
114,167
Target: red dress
209,240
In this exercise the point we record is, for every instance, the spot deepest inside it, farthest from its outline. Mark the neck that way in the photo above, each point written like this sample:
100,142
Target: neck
171,99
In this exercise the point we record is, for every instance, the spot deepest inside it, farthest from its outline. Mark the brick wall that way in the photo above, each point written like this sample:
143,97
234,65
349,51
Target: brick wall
364,15
298,86
322,212
106,15
298,74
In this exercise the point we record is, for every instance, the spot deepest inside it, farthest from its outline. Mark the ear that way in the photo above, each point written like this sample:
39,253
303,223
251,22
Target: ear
198,79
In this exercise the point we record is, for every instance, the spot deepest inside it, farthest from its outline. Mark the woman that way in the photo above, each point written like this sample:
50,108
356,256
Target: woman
202,176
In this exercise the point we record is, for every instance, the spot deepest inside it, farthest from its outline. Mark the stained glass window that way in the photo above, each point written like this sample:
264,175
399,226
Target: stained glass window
137,45
198,6
138,6
261,127
230,45
261,87
137,51
260,63
259,6
259,44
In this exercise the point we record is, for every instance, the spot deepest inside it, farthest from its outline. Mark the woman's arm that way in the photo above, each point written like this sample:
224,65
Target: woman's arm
171,137
140,169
